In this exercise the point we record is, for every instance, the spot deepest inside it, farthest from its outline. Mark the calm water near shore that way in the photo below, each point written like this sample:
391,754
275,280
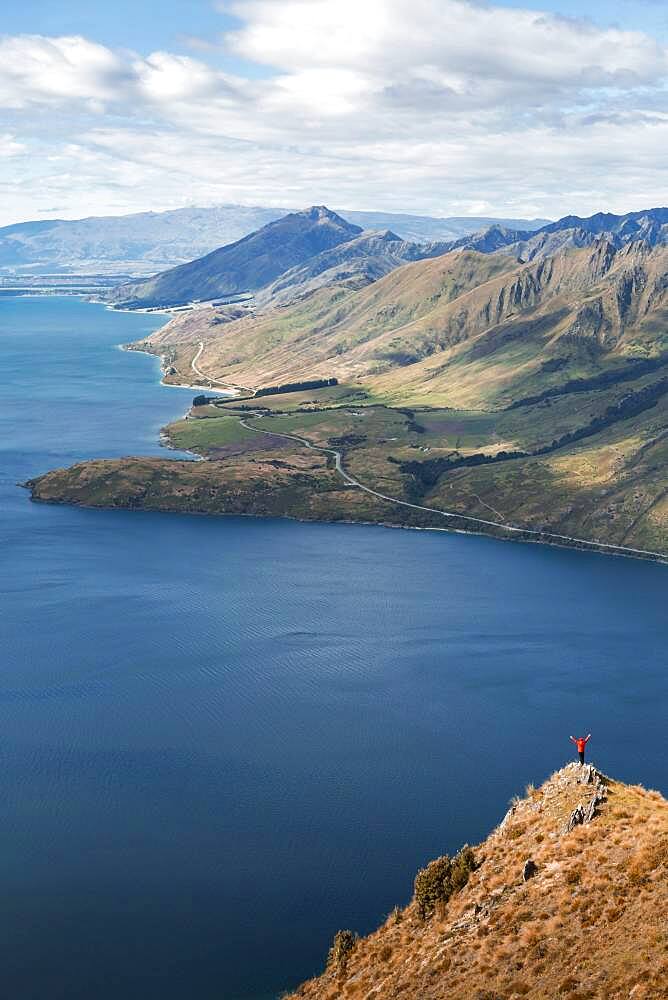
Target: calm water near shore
224,739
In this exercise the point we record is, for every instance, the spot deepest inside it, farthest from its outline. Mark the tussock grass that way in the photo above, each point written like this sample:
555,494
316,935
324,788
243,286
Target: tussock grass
592,923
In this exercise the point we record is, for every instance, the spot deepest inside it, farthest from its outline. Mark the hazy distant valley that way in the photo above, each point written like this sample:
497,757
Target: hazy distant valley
151,241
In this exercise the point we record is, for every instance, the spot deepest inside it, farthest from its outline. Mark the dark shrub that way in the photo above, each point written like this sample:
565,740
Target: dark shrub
462,866
342,948
441,878
432,884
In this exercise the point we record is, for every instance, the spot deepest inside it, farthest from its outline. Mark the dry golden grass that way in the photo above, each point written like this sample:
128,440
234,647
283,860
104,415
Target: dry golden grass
474,326
591,924
597,464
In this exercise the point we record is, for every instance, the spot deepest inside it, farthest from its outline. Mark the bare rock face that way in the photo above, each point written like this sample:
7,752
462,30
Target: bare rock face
576,818
529,870
597,798
565,785
585,813
506,819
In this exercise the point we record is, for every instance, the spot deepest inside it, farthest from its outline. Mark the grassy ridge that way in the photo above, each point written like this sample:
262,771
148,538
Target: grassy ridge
586,919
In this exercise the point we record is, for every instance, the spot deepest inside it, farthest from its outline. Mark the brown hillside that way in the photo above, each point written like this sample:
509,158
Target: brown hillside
590,922
464,329
475,392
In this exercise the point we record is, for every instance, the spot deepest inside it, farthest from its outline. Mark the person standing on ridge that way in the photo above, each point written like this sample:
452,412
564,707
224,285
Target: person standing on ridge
581,743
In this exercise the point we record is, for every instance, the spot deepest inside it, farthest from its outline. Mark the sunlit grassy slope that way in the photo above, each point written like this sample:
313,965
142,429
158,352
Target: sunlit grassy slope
465,329
531,394
590,923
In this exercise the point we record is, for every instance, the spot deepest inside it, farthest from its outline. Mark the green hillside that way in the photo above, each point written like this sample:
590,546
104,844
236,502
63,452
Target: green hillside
477,392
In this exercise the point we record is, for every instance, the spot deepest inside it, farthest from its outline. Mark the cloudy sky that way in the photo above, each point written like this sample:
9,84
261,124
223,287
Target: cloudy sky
440,107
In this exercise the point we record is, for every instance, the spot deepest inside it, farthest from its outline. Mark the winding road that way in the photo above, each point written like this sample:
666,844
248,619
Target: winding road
546,536
226,385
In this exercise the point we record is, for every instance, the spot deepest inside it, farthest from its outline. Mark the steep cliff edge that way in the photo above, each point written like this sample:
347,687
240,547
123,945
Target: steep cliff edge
567,897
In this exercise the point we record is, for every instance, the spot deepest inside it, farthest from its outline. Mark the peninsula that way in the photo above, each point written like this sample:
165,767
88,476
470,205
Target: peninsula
516,386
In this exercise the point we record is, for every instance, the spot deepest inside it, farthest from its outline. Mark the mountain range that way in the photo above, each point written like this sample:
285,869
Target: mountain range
517,383
305,250
147,242
557,363
429,330
282,261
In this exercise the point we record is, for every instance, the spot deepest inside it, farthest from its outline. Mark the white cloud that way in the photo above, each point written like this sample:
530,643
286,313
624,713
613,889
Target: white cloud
476,42
9,146
37,70
423,105
319,92
163,77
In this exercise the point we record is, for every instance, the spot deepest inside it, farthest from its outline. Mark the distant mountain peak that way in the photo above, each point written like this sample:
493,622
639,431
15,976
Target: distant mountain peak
385,235
247,265
320,213
609,222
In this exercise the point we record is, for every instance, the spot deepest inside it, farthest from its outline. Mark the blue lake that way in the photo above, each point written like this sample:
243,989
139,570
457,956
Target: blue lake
224,739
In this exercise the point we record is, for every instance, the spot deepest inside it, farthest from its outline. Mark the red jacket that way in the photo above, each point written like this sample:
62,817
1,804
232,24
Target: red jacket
581,742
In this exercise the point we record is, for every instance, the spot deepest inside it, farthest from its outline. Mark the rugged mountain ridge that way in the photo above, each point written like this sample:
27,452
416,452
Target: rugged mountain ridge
646,224
244,266
148,242
362,261
431,329
219,273
649,226
568,897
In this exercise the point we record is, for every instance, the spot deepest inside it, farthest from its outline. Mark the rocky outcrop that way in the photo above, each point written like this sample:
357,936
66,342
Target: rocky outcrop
569,779
529,870
544,914
585,812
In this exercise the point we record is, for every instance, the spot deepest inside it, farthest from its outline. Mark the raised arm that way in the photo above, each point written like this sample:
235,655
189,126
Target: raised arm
587,738
573,739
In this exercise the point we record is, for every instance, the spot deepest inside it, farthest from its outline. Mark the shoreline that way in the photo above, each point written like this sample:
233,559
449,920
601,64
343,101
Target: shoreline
512,533
227,393
597,548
